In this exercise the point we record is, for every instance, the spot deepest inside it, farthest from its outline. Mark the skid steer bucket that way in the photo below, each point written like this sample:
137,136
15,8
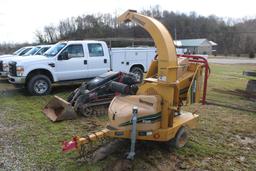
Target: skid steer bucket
58,109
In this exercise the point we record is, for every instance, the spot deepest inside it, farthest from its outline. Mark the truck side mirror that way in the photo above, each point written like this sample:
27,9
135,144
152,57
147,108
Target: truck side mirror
63,56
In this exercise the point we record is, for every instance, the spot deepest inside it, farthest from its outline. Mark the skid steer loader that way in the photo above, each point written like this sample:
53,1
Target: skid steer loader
93,97
154,113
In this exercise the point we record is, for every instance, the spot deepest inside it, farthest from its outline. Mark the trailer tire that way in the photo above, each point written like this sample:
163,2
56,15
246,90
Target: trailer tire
138,72
181,138
39,85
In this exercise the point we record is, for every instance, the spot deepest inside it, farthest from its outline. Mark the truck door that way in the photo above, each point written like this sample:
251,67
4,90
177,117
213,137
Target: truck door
70,64
98,59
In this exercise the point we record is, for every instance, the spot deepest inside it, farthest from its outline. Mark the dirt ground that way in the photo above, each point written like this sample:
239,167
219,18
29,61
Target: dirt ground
225,138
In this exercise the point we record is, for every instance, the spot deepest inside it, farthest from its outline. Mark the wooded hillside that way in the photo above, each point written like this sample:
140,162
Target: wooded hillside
232,36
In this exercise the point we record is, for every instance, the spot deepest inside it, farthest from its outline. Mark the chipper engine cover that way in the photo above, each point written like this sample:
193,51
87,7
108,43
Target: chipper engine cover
148,116
93,97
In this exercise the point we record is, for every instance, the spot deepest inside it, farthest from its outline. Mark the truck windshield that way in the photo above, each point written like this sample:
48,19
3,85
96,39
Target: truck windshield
24,51
32,51
42,50
54,50
18,51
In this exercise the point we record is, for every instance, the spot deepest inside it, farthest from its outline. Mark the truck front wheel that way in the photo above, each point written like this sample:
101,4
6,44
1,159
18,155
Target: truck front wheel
138,73
39,85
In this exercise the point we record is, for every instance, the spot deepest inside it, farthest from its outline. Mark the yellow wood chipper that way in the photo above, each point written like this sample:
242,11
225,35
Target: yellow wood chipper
154,113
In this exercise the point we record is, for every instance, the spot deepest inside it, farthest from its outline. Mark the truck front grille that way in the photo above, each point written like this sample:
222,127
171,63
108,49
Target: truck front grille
12,69
1,66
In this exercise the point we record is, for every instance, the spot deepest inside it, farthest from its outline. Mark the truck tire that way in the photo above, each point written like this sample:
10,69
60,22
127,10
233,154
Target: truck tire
39,85
181,138
138,72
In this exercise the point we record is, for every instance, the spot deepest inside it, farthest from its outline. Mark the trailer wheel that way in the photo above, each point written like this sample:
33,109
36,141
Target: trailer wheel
181,138
138,72
39,85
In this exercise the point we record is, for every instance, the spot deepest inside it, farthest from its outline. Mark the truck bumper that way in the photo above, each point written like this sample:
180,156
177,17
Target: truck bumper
16,80
3,74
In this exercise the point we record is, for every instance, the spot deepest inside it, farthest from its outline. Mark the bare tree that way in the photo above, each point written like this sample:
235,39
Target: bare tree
232,36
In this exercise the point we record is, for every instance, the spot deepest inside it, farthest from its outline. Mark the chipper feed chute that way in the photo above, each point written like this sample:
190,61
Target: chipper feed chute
58,109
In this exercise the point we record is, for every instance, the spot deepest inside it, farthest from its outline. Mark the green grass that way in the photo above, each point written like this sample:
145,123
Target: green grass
213,145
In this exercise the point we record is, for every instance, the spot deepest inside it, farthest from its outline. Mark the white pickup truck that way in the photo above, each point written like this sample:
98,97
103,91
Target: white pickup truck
32,51
74,60
19,52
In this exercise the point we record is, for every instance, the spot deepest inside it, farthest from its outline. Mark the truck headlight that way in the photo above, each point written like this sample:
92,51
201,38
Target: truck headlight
20,71
5,67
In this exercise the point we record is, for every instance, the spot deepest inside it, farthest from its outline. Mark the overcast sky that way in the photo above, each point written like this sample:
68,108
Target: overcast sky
19,19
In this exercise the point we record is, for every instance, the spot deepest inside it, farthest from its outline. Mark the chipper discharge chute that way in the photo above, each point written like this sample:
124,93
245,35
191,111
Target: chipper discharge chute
91,98
154,113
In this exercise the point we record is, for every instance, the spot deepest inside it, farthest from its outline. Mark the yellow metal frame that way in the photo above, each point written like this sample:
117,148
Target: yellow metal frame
162,79
186,119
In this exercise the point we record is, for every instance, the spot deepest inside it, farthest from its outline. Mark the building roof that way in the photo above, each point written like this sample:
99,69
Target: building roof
213,43
193,42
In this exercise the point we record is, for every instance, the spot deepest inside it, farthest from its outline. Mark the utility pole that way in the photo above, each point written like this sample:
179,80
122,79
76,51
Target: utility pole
175,34
175,31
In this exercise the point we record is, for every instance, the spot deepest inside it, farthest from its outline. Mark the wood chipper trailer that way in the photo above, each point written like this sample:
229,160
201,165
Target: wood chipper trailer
154,113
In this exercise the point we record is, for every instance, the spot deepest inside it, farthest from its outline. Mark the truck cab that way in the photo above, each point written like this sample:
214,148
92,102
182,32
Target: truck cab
78,59
65,61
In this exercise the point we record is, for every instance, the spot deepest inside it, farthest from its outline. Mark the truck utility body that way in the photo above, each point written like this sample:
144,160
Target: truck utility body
123,58
75,60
